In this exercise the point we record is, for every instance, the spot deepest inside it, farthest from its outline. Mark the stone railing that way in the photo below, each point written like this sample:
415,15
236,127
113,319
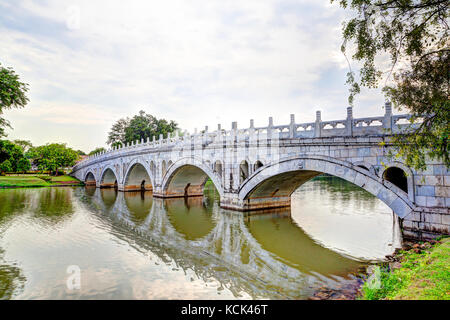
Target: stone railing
350,126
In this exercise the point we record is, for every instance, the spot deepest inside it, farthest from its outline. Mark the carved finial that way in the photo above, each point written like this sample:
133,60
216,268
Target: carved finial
388,108
318,116
349,112
270,121
292,118
252,123
234,125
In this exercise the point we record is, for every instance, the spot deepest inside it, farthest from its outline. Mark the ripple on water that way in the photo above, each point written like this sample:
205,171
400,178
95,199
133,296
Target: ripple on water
133,246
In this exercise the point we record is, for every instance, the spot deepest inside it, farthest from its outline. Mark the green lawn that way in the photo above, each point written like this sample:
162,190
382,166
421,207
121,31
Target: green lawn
36,181
424,275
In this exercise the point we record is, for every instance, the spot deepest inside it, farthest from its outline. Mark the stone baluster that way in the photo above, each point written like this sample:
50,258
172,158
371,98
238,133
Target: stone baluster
292,127
270,127
318,125
349,125
387,121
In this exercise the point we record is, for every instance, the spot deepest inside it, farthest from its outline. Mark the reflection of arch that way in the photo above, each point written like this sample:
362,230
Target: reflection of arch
89,179
137,177
274,184
108,178
190,173
401,176
139,205
189,217
243,171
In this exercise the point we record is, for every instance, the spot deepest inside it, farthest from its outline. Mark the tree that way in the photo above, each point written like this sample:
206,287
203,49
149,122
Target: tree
141,126
52,157
414,34
97,150
116,137
6,166
13,157
12,94
81,153
24,144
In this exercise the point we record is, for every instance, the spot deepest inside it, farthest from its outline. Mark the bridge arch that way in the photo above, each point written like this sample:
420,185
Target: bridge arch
138,177
187,177
401,176
90,179
108,178
273,185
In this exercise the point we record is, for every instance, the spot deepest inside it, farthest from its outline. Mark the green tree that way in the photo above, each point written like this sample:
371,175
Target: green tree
52,157
24,144
6,166
81,153
141,126
12,94
97,150
116,136
414,34
13,156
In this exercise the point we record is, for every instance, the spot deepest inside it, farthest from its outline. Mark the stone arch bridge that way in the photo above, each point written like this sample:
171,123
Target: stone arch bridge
260,167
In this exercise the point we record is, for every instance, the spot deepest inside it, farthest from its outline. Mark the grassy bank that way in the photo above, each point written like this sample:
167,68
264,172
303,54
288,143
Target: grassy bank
23,181
420,273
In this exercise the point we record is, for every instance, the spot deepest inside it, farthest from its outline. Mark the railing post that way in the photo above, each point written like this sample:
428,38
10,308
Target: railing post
292,127
318,125
387,122
270,128
349,125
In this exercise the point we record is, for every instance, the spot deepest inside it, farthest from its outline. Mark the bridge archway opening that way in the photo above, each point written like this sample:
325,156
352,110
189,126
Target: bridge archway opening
272,186
243,171
109,179
258,164
396,176
186,181
138,179
90,180
275,191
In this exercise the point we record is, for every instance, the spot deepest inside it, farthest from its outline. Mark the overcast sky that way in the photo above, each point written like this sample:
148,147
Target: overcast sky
89,63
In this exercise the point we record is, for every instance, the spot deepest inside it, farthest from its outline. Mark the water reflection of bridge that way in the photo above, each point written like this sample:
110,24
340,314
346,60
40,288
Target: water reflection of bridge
251,254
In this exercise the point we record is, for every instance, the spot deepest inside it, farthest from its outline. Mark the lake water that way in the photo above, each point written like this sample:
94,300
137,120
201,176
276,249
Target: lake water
133,246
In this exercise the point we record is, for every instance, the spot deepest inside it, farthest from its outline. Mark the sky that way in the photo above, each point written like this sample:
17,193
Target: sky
199,63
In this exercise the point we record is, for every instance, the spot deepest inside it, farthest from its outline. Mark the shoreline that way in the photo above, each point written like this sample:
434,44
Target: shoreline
37,186
390,275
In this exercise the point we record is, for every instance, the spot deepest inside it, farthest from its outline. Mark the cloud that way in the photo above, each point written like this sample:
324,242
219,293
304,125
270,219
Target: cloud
198,62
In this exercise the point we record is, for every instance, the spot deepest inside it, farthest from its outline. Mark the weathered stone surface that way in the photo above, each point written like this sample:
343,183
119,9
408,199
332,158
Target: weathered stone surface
258,168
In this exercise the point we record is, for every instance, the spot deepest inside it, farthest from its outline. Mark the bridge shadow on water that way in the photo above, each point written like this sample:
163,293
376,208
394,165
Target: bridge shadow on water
264,254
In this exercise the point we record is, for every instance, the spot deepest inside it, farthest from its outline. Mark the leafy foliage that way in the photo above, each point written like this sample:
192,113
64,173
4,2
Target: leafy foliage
414,34
12,158
97,150
141,126
12,94
422,275
52,156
